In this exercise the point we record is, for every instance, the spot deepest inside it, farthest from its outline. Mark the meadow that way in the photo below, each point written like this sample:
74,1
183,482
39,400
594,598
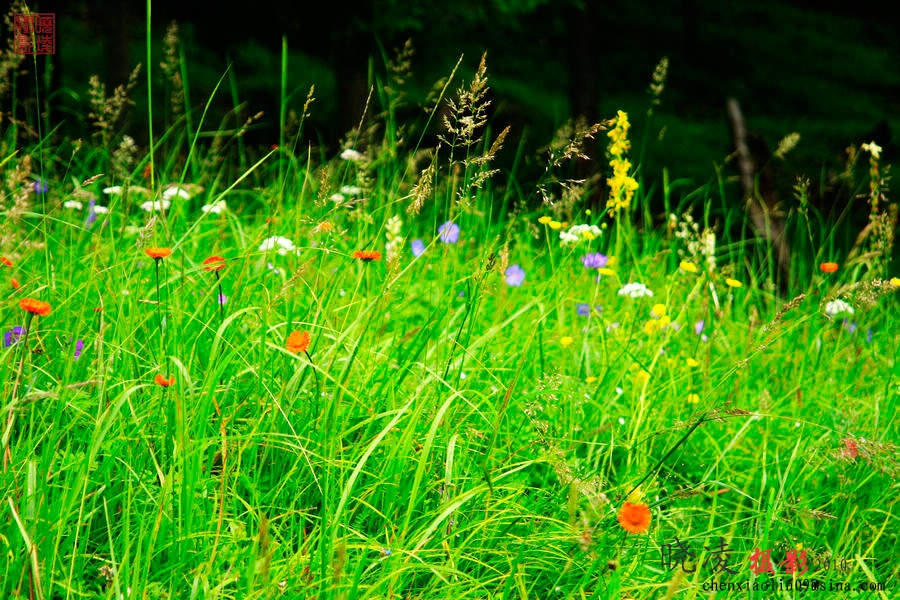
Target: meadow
391,370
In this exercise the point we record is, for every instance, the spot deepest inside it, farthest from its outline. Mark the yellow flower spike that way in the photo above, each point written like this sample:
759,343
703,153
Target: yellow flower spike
545,220
566,340
733,283
658,309
693,398
688,266
692,363
590,380
555,225
606,271
895,281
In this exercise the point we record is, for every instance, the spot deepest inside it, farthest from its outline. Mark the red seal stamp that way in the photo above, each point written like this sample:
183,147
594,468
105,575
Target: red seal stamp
34,33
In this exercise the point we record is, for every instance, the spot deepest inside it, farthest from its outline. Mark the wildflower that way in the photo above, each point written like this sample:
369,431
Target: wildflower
515,275
850,326
621,420
604,271
12,336
298,341
5,261
621,185
688,266
658,310
578,233
585,309
873,149
214,263
545,220
566,340
868,335
693,398
698,326
282,245
417,247
39,186
829,267
692,363
895,281
836,307
336,198
100,210
590,380
160,380
35,307
216,208
351,190
850,450
733,283
323,227
173,191
635,290
79,346
113,190
367,255
15,283
594,260
386,552
351,154
73,204
555,225
152,205
222,298
634,518
449,232
158,253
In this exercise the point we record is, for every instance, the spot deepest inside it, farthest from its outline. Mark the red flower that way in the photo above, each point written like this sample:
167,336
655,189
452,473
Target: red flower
367,255
850,449
215,263
5,261
160,380
635,517
829,267
98,309
15,283
158,253
35,307
298,341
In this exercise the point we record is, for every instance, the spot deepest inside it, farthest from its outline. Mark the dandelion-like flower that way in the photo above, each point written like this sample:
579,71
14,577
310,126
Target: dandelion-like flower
298,342
687,266
367,255
634,518
35,307
281,245
734,283
449,232
158,253
635,290
417,247
828,267
515,275
162,381
837,307
566,340
214,263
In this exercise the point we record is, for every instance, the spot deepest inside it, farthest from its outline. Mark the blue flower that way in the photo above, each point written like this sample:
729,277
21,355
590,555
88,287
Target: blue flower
869,335
39,186
585,309
594,260
449,232
417,247
515,275
12,336
850,325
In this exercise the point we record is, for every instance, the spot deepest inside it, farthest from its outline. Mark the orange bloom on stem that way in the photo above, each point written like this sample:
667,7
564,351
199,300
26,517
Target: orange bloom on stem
158,253
160,380
35,307
5,261
367,255
214,263
829,267
15,283
298,341
634,517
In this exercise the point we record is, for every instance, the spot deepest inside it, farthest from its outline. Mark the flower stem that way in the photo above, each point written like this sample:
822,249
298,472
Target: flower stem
7,455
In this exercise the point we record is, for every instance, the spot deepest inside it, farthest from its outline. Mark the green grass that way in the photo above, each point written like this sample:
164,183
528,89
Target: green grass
447,435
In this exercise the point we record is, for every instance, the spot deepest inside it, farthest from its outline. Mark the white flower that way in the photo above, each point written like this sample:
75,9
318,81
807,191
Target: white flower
621,420
619,391
171,192
836,307
336,198
150,206
393,225
351,154
116,189
873,149
101,210
215,208
73,204
351,190
635,290
578,233
282,245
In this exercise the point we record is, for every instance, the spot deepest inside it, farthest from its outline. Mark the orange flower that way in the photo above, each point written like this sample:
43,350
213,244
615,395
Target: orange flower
5,261
98,309
15,283
160,380
367,255
158,253
634,517
829,267
298,341
35,307
216,263
147,171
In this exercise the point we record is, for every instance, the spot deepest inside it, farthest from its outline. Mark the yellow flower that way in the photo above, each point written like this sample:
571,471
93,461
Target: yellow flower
640,378
566,340
590,380
606,271
636,496
693,398
688,266
587,235
611,260
733,283
895,281
587,212
545,220
555,225
692,363
658,309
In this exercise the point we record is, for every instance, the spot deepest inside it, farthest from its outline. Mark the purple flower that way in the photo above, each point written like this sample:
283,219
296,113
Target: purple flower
594,260
12,336
449,232
417,247
869,335
92,214
79,346
849,325
223,299
698,327
39,186
585,309
515,275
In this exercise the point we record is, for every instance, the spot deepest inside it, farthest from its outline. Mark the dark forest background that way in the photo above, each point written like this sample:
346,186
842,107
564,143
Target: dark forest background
827,70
